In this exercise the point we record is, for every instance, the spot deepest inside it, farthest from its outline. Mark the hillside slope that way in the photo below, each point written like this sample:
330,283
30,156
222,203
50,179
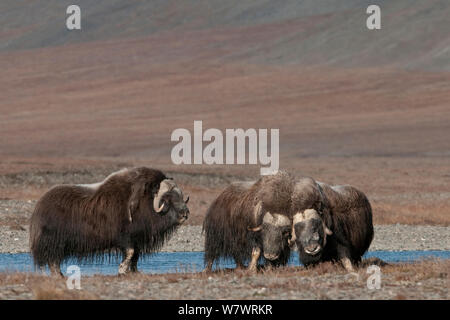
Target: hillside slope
415,34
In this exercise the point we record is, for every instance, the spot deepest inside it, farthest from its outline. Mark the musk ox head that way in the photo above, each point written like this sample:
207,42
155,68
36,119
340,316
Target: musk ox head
274,231
310,233
309,230
272,213
169,202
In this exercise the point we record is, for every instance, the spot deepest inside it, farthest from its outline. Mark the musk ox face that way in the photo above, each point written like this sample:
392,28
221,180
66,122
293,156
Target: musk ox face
309,233
169,201
275,234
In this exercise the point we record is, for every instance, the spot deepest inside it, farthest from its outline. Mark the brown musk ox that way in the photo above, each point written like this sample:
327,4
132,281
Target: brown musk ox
330,223
248,221
132,211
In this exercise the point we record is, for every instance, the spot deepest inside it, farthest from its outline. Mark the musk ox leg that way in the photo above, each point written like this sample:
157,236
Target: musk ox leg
239,265
344,255
208,267
134,261
55,269
346,262
124,267
256,253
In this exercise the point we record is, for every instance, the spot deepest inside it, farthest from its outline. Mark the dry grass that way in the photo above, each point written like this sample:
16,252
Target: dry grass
434,268
50,291
327,280
409,191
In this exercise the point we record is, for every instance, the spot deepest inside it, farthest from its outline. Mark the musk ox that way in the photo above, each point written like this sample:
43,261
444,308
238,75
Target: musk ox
250,220
330,223
132,211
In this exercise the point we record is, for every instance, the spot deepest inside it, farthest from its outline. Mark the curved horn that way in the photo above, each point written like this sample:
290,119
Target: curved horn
256,229
328,232
164,187
187,200
257,211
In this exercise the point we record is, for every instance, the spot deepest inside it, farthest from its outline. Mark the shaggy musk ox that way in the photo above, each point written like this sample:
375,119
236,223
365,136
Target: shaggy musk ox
250,220
331,223
132,211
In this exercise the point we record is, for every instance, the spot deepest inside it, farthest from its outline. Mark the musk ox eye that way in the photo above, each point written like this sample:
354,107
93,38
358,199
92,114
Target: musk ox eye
287,234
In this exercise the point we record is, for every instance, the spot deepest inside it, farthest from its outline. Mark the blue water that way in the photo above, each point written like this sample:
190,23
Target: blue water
169,262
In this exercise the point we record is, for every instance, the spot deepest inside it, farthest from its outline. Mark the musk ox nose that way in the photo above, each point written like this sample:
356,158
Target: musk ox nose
313,249
185,213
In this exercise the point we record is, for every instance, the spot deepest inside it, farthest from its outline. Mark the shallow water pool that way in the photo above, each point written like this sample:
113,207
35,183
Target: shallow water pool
168,262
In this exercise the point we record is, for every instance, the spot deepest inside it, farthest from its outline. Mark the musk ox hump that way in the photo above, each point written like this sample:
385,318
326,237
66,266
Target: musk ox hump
96,186
306,195
274,191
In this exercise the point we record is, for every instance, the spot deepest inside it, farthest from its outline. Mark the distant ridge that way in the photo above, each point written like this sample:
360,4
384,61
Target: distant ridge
415,34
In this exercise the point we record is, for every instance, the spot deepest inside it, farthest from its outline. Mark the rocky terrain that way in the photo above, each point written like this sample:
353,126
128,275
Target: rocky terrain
425,280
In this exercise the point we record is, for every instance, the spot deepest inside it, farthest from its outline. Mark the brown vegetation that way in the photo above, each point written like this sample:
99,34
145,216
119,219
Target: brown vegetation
422,280
351,109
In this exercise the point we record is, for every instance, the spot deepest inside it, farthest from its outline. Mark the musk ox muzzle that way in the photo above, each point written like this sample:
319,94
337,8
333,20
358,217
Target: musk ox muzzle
309,232
275,233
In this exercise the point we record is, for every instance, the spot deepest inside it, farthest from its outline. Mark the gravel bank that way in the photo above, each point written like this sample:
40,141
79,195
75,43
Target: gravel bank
189,238
425,280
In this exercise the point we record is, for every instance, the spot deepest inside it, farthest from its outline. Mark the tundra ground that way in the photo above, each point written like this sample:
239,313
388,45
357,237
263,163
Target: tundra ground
422,280
409,190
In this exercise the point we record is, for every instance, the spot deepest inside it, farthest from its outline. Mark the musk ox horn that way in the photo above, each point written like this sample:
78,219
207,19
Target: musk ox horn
328,232
256,229
257,211
164,187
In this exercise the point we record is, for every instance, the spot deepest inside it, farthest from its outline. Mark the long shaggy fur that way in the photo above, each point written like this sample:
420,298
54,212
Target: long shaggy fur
84,222
350,218
232,213
345,210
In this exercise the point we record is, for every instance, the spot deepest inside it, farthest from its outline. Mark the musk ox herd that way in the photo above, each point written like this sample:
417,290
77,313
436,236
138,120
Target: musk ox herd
134,211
